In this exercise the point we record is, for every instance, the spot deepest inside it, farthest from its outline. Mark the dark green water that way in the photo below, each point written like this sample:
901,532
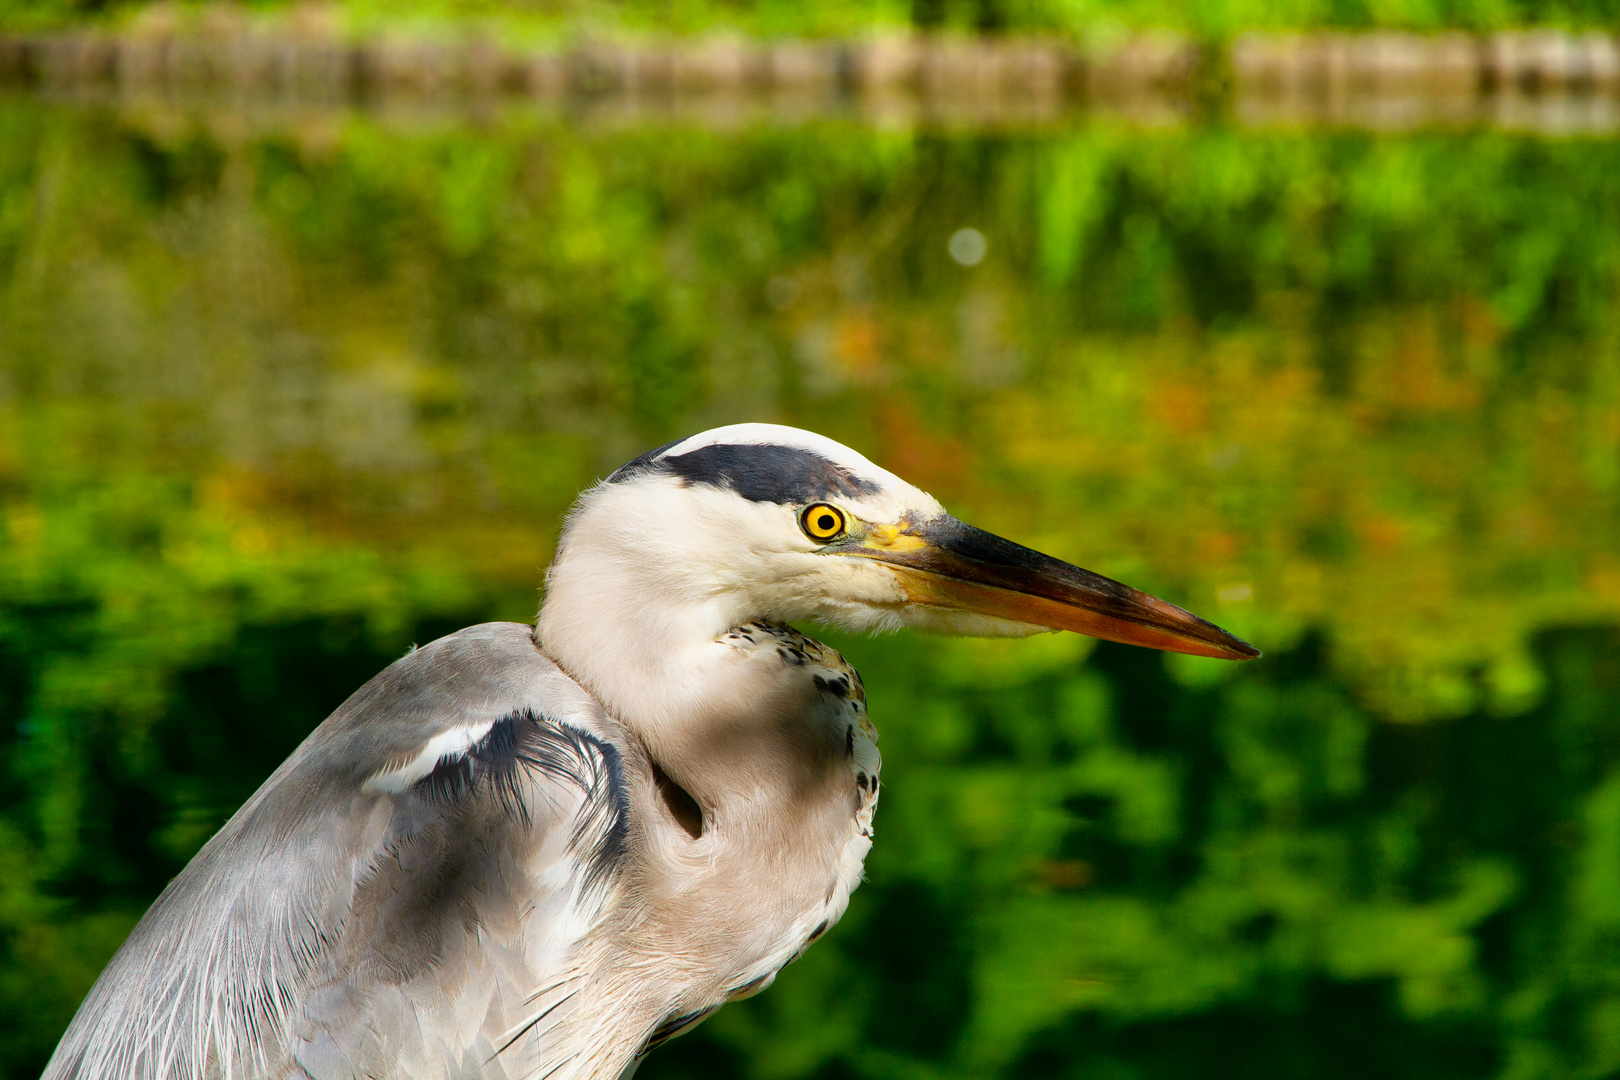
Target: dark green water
281,395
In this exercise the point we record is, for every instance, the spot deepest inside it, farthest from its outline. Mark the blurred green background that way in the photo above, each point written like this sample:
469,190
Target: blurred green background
531,21
280,397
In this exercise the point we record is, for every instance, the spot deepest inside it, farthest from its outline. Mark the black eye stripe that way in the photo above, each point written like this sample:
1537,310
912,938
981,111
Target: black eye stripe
759,473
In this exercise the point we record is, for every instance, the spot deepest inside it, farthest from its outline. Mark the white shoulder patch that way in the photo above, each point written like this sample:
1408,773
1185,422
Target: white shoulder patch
403,771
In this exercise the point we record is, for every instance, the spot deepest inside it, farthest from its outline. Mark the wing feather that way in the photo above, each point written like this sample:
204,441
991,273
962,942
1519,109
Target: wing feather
393,894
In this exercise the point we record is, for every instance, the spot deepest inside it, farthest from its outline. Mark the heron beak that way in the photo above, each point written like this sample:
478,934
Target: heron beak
946,563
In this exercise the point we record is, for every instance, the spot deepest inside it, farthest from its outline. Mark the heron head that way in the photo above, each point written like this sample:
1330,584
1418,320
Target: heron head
762,521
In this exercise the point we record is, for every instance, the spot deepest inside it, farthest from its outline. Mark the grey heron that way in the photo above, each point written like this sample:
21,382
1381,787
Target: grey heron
541,851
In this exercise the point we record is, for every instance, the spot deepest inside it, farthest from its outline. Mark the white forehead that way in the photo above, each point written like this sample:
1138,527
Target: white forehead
798,438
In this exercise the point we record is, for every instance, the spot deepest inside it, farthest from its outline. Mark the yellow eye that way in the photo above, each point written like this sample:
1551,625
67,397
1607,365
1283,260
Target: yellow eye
822,522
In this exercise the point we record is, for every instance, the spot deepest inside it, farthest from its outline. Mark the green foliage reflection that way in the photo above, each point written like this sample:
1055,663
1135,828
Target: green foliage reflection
276,402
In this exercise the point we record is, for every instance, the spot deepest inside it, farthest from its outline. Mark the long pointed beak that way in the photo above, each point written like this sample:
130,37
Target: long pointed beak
946,563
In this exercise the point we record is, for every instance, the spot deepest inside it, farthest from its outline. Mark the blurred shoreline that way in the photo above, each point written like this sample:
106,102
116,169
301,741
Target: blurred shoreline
1538,80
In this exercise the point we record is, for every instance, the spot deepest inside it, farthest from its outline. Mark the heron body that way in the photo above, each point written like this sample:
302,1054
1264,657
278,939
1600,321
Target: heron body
538,852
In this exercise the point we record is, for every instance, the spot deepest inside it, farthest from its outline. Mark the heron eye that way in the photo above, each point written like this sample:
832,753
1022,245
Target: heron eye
822,522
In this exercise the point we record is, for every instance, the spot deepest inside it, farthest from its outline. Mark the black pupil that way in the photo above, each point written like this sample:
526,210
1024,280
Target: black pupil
826,523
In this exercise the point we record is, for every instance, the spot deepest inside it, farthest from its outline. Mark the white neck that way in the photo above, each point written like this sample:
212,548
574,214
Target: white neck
636,621
624,639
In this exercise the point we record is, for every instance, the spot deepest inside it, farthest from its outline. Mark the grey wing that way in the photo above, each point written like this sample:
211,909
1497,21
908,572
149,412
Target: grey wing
403,897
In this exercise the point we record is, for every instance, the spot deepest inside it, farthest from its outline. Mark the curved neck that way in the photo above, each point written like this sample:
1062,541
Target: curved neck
624,640
641,634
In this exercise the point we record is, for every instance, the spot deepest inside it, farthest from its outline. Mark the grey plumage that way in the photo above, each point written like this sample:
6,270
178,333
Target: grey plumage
295,942
535,853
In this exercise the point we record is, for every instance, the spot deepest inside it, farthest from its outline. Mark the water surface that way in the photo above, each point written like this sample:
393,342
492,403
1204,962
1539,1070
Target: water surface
283,393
